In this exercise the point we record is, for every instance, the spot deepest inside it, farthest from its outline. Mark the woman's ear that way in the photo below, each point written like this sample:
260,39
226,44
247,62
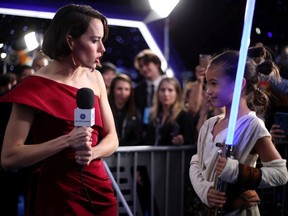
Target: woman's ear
70,41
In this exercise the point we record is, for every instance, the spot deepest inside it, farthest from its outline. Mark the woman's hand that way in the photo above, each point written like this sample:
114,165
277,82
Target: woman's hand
277,133
84,156
216,198
80,139
178,140
200,74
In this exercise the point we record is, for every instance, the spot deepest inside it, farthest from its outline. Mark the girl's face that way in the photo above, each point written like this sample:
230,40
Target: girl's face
220,87
122,91
89,48
167,94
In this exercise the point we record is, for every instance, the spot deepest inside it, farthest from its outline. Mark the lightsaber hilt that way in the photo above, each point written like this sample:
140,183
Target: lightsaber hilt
227,151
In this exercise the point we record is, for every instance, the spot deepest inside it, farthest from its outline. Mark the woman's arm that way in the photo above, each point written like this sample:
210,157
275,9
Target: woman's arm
196,95
186,122
109,143
15,154
133,131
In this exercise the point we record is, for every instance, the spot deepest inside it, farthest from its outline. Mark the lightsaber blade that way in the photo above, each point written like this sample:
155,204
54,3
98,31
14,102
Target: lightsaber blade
245,41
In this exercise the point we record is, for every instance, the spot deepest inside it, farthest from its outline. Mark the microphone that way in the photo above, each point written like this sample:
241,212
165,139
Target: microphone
84,114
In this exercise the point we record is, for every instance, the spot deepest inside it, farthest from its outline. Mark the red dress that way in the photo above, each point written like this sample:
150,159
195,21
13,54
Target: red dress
60,191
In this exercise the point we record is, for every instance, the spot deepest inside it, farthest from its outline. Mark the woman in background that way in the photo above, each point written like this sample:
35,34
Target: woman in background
108,71
170,123
127,118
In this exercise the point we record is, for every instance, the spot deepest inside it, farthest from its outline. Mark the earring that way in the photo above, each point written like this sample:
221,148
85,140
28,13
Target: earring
73,60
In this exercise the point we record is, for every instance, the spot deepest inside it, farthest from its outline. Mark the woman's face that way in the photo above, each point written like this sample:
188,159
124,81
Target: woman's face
167,94
122,91
89,48
219,86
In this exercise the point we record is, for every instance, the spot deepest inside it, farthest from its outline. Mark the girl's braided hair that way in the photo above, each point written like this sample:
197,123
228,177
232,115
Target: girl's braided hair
259,63
257,99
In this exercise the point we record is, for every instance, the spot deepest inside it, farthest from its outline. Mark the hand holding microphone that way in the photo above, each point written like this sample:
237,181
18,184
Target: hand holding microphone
84,118
81,142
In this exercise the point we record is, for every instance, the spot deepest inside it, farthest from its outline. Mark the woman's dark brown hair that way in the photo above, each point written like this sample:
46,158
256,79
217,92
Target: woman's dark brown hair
130,105
70,20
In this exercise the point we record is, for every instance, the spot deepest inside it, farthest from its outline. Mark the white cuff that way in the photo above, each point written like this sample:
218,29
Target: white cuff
274,173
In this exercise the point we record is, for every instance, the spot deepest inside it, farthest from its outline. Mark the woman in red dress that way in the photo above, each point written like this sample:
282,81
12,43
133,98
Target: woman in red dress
71,176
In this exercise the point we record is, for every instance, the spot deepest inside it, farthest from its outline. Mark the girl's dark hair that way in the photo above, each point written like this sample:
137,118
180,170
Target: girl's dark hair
70,20
259,61
130,106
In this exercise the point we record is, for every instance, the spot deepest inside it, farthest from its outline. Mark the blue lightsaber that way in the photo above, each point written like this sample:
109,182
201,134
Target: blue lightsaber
228,147
245,41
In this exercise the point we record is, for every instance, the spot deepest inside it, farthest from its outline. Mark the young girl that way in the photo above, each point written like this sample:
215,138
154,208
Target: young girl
251,140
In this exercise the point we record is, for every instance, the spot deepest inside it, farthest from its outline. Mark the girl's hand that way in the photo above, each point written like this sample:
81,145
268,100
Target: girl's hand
253,200
178,140
221,163
216,198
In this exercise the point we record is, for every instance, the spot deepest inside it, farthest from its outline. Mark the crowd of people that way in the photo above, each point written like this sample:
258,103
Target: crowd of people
158,111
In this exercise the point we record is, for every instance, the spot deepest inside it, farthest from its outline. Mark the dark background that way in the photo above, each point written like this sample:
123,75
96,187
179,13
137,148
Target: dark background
196,26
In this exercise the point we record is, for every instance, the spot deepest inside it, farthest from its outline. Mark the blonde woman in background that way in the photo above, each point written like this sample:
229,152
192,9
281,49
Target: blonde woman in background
170,123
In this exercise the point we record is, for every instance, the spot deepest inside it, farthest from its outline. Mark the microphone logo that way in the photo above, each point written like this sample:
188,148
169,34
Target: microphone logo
82,116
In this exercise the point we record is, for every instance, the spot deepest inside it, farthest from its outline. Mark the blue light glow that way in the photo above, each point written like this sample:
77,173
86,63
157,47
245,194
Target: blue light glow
245,41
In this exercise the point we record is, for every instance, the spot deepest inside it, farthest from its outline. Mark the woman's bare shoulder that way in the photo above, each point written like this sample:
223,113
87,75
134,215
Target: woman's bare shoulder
97,82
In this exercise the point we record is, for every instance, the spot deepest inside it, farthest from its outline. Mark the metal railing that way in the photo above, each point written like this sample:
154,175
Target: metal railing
155,169
163,174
